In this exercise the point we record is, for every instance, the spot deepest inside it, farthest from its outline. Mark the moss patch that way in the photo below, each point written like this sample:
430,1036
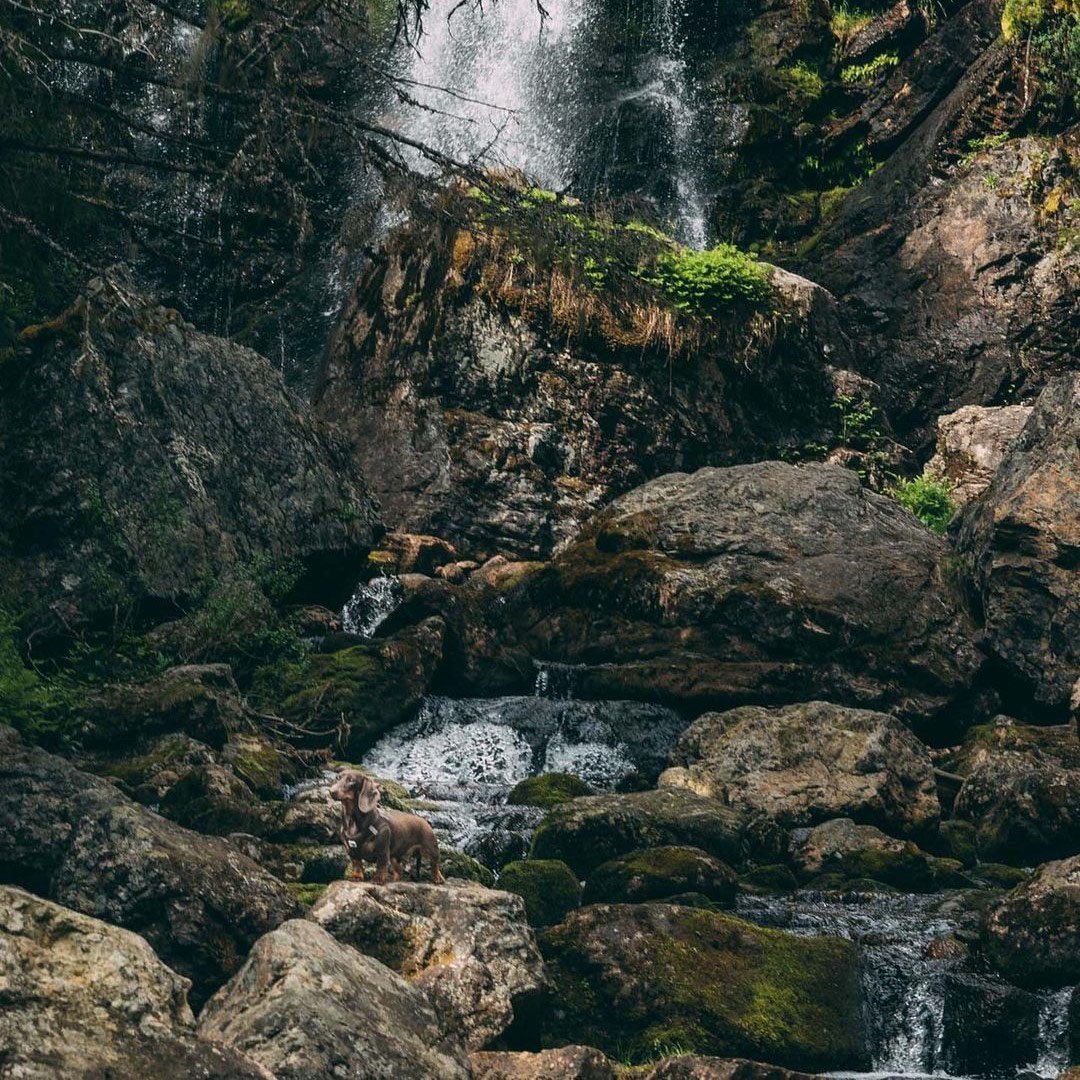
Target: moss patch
306,893
456,864
550,789
547,886
659,872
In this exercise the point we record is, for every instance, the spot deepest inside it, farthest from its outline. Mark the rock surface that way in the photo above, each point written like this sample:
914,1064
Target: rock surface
658,873
629,976
304,1005
1019,543
1033,935
82,998
468,948
586,832
486,428
757,584
564,1063
971,444
76,839
803,764
142,459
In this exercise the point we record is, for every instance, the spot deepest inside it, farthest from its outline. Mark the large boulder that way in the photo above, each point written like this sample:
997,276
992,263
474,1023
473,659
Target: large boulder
803,764
76,839
141,459
1025,809
1056,743
562,1063
1018,544
481,422
971,444
82,998
589,831
757,584
1033,935
468,948
304,1005
696,1067
638,976
658,873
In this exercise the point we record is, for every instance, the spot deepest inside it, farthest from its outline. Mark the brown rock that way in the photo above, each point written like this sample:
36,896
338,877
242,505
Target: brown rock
564,1063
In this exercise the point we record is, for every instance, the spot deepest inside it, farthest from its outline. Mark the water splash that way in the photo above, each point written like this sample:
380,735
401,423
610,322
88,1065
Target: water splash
371,604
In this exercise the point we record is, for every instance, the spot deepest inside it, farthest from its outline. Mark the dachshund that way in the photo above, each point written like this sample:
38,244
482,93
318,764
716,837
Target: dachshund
385,837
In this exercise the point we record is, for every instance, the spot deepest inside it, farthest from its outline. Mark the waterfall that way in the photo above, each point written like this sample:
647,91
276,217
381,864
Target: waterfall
505,86
370,605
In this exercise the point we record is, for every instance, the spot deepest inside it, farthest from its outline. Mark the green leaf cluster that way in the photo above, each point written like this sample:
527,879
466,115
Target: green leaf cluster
703,283
929,499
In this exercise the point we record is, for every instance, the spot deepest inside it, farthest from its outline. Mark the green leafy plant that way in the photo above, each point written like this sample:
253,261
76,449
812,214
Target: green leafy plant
872,69
984,142
847,20
802,81
928,498
703,282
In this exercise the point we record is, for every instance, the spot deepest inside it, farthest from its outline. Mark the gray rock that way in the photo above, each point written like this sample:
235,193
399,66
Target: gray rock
803,764
82,998
143,458
971,444
757,584
1018,544
468,947
304,1005
564,1063
1033,935
76,839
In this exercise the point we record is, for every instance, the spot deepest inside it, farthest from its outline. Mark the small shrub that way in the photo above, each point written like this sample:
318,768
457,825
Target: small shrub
847,21
803,82
929,499
702,283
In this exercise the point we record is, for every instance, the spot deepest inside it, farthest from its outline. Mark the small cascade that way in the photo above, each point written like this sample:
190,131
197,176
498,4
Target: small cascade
921,997
371,604
462,756
557,682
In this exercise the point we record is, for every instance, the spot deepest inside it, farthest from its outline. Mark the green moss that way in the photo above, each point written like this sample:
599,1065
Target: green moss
1004,877
660,872
959,840
456,864
709,983
804,83
548,887
845,20
305,892
550,789
704,283
1021,17
929,499
767,879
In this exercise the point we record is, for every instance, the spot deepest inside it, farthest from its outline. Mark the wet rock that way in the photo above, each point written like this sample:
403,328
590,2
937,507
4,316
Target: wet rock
76,839
153,766
696,1067
482,425
803,764
468,948
142,458
857,852
634,976
212,799
737,586
1024,809
1018,544
658,873
84,998
987,1025
548,887
548,789
1054,743
415,553
304,1005
587,832
350,697
1033,935
971,444
456,864
565,1063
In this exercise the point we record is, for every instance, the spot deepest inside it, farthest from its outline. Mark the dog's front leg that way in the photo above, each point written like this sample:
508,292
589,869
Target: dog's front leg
356,870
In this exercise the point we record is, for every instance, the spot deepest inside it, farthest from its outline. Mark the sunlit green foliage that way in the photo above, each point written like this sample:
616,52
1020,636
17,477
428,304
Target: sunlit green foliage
929,499
703,282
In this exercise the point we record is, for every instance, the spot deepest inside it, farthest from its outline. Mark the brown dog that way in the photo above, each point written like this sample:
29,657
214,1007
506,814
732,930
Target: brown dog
385,837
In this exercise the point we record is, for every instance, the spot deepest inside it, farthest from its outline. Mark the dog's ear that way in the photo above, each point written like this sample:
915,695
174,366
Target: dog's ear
369,796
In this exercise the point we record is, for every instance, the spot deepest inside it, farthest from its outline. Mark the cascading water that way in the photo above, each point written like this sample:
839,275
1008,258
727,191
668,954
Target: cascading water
510,87
370,605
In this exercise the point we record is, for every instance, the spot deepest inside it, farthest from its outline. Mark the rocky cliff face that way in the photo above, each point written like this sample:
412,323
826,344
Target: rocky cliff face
142,461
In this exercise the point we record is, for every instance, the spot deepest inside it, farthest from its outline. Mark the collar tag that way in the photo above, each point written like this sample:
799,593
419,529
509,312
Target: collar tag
373,830
351,843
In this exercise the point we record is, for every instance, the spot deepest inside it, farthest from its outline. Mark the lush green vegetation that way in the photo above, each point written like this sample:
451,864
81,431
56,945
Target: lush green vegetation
872,69
804,83
928,498
847,20
703,283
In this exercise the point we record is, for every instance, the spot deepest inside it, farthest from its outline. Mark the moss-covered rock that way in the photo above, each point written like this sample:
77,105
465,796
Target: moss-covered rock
547,790
771,878
849,853
306,893
368,687
155,766
212,799
586,832
456,864
547,886
957,839
632,978
264,766
661,872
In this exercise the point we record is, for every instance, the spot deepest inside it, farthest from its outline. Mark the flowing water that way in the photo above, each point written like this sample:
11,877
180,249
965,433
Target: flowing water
505,85
371,604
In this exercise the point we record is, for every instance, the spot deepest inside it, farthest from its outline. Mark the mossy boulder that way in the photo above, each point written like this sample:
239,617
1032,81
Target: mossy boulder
845,853
156,765
586,832
771,878
264,766
456,864
547,790
369,687
548,887
306,893
661,872
212,799
630,978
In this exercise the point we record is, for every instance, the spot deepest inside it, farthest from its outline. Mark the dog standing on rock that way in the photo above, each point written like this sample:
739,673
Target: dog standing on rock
387,838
